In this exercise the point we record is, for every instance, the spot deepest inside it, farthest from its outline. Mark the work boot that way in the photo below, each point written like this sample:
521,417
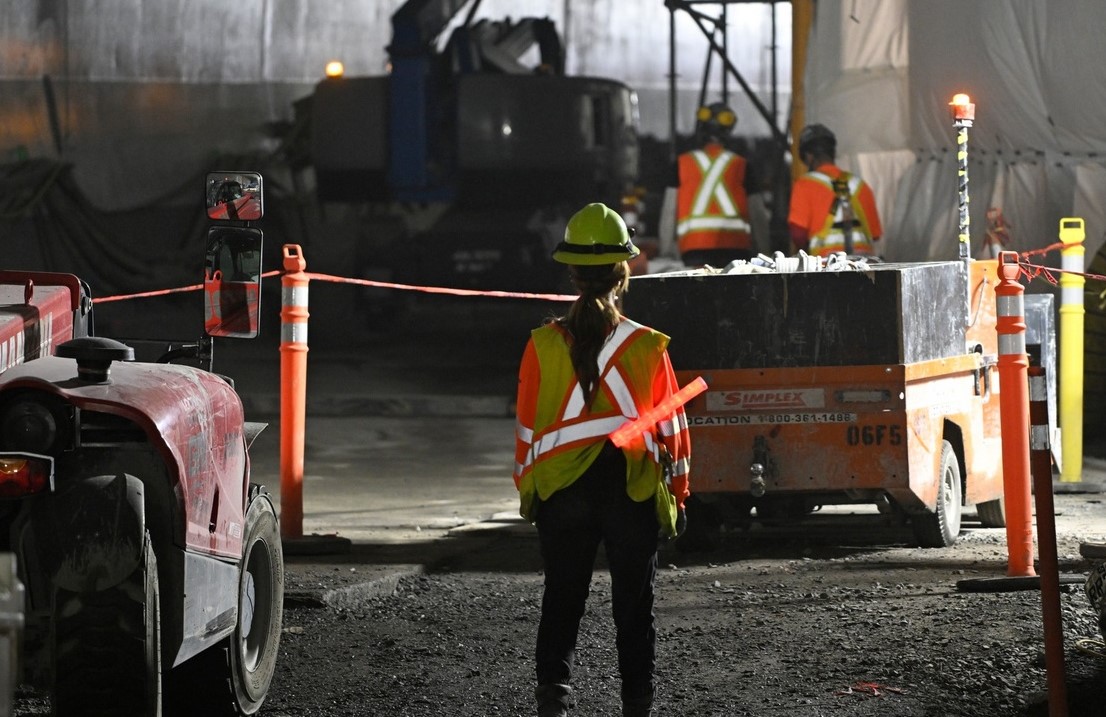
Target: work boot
553,700
638,706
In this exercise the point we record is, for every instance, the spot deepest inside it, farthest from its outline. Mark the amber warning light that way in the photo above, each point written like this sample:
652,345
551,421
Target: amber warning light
962,107
22,475
335,69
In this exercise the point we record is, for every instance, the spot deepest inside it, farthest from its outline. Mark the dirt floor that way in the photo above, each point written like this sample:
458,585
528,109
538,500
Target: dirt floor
837,617
834,617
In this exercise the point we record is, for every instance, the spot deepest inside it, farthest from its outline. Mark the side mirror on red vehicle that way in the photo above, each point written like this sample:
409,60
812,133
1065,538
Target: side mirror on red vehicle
234,196
232,264
232,282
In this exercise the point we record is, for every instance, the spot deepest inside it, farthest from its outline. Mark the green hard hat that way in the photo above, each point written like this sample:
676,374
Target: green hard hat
595,235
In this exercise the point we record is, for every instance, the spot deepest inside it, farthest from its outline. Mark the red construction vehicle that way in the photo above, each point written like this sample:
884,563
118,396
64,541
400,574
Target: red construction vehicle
152,565
868,386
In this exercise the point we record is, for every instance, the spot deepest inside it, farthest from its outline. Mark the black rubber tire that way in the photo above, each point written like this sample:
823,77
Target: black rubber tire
992,514
107,648
941,528
233,677
253,654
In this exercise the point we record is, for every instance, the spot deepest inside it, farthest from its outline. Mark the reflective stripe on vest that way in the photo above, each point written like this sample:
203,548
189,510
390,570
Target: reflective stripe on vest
571,430
831,237
712,187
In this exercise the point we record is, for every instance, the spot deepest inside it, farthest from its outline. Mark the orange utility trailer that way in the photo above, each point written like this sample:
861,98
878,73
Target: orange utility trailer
870,385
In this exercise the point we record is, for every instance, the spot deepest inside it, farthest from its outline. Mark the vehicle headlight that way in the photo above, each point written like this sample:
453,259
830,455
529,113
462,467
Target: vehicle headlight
28,426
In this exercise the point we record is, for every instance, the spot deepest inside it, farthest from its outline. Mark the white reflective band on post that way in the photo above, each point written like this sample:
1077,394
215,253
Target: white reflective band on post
293,296
1038,393
1038,389
1011,344
1071,295
1010,305
294,332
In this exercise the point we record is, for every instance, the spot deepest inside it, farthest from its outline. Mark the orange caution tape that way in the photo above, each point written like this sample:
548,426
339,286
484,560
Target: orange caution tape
443,290
359,282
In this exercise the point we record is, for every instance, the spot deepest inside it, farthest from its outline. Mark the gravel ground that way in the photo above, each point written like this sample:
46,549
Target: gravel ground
837,617
831,619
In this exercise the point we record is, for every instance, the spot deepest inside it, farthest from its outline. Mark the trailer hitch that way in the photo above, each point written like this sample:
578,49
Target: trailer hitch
756,485
761,464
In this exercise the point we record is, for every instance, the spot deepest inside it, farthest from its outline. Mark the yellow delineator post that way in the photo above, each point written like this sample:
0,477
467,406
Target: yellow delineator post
1072,234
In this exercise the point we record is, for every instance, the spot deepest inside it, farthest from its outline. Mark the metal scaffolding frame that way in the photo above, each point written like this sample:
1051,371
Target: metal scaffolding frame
712,27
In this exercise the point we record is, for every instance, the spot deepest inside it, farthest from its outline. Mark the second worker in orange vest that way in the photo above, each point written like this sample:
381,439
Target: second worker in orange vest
831,210
712,208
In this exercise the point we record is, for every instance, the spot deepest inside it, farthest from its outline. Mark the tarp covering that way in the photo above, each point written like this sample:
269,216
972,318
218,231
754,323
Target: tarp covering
882,72
131,88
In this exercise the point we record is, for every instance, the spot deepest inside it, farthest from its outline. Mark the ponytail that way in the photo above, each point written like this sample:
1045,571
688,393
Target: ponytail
592,317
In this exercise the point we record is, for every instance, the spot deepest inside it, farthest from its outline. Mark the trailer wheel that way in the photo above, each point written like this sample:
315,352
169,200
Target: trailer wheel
232,678
107,647
941,528
992,514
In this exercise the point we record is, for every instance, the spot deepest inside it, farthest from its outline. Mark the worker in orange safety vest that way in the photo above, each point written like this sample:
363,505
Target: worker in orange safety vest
582,376
712,207
831,210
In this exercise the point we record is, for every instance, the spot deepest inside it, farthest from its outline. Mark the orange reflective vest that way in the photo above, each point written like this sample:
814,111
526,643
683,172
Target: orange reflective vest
837,210
558,436
711,207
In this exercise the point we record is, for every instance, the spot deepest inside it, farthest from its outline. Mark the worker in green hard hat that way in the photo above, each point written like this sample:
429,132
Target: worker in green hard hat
582,376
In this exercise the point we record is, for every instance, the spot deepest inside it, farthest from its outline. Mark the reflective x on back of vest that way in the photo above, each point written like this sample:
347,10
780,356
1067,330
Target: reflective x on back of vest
574,427
712,186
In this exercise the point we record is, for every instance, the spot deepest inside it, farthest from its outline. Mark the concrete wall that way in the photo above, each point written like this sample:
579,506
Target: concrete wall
140,96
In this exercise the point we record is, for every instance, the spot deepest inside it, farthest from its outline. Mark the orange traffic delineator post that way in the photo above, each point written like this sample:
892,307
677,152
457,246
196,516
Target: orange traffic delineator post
1040,448
1013,365
293,389
293,410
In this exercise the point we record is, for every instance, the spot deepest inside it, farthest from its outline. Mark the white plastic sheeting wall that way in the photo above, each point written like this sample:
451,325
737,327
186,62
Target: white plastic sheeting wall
882,73
147,91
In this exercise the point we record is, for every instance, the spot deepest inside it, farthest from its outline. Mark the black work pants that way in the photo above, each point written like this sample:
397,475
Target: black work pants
571,524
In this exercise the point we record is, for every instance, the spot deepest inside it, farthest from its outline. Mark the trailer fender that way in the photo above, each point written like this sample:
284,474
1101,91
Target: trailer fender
89,536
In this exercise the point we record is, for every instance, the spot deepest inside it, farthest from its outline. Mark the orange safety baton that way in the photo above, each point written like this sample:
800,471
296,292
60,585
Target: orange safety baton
629,430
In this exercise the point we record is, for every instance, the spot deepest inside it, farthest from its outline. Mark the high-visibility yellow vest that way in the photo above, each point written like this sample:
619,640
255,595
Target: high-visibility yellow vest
566,437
